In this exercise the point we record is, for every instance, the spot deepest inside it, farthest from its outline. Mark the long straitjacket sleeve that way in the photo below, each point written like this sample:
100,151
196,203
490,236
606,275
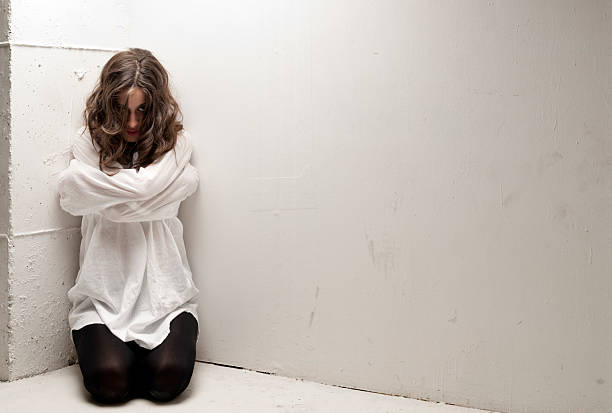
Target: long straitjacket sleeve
153,192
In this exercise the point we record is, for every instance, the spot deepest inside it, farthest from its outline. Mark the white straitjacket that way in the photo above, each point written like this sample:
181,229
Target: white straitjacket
133,276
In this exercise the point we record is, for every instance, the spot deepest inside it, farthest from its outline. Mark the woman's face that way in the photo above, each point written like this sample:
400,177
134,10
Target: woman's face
135,104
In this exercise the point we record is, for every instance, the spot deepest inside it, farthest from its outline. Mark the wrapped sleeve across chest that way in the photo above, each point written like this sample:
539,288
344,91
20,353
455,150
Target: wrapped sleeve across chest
151,193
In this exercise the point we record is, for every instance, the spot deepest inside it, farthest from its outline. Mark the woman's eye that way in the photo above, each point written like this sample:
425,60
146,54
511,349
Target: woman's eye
141,109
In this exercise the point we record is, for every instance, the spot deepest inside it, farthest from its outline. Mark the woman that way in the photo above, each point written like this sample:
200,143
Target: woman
134,316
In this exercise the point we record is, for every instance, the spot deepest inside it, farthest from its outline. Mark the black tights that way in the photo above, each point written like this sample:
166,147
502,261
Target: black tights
115,371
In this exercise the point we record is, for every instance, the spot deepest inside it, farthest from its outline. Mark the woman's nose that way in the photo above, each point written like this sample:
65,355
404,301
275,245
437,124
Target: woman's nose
132,122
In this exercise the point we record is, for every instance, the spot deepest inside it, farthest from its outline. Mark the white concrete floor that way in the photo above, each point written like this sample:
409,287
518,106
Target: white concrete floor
214,389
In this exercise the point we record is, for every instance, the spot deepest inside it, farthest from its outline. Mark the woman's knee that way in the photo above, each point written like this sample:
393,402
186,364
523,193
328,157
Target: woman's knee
108,383
169,380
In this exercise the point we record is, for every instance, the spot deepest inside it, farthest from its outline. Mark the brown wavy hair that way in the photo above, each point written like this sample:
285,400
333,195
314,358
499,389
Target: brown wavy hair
106,117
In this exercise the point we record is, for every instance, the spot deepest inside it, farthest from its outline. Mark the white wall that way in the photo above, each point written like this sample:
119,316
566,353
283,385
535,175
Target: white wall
409,197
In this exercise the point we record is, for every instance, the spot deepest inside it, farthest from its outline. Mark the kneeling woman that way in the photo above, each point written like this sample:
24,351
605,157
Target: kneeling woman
134,316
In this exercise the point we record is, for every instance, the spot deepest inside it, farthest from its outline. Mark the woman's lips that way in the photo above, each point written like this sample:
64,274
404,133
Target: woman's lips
135,132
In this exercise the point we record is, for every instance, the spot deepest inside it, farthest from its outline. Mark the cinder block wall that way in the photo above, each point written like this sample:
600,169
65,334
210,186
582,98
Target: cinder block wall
56,54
